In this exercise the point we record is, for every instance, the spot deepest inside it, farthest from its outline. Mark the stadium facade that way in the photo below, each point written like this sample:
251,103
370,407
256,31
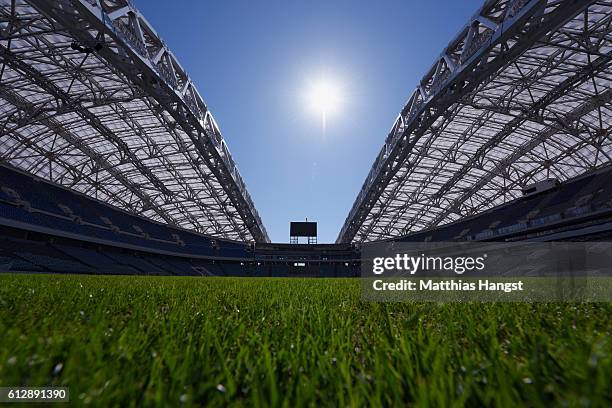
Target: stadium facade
111,161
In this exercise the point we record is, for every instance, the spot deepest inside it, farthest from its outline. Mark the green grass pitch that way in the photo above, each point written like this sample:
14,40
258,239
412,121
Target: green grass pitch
162,341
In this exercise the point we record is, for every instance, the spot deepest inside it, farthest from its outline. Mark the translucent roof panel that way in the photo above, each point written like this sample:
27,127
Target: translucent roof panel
92,99
522,94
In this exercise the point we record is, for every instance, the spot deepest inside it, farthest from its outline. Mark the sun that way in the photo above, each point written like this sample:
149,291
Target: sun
323,96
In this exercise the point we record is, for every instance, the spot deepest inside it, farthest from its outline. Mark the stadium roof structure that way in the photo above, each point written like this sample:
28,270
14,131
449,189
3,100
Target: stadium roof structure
91,98
521,94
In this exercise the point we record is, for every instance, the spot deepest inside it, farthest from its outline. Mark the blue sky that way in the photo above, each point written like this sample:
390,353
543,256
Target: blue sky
253,61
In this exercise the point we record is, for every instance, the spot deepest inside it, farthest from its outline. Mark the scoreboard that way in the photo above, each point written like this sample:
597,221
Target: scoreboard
303,229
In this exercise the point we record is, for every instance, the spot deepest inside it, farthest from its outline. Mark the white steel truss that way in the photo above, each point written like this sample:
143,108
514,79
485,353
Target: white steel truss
92,99
522,94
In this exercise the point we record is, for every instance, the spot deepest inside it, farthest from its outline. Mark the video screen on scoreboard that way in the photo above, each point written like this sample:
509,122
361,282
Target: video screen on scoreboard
303,229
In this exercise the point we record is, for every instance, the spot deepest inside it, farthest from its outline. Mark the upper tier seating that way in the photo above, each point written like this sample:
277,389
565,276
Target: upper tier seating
36,202
585,195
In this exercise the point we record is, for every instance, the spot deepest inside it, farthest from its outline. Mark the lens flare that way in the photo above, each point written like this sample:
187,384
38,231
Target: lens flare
324,98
